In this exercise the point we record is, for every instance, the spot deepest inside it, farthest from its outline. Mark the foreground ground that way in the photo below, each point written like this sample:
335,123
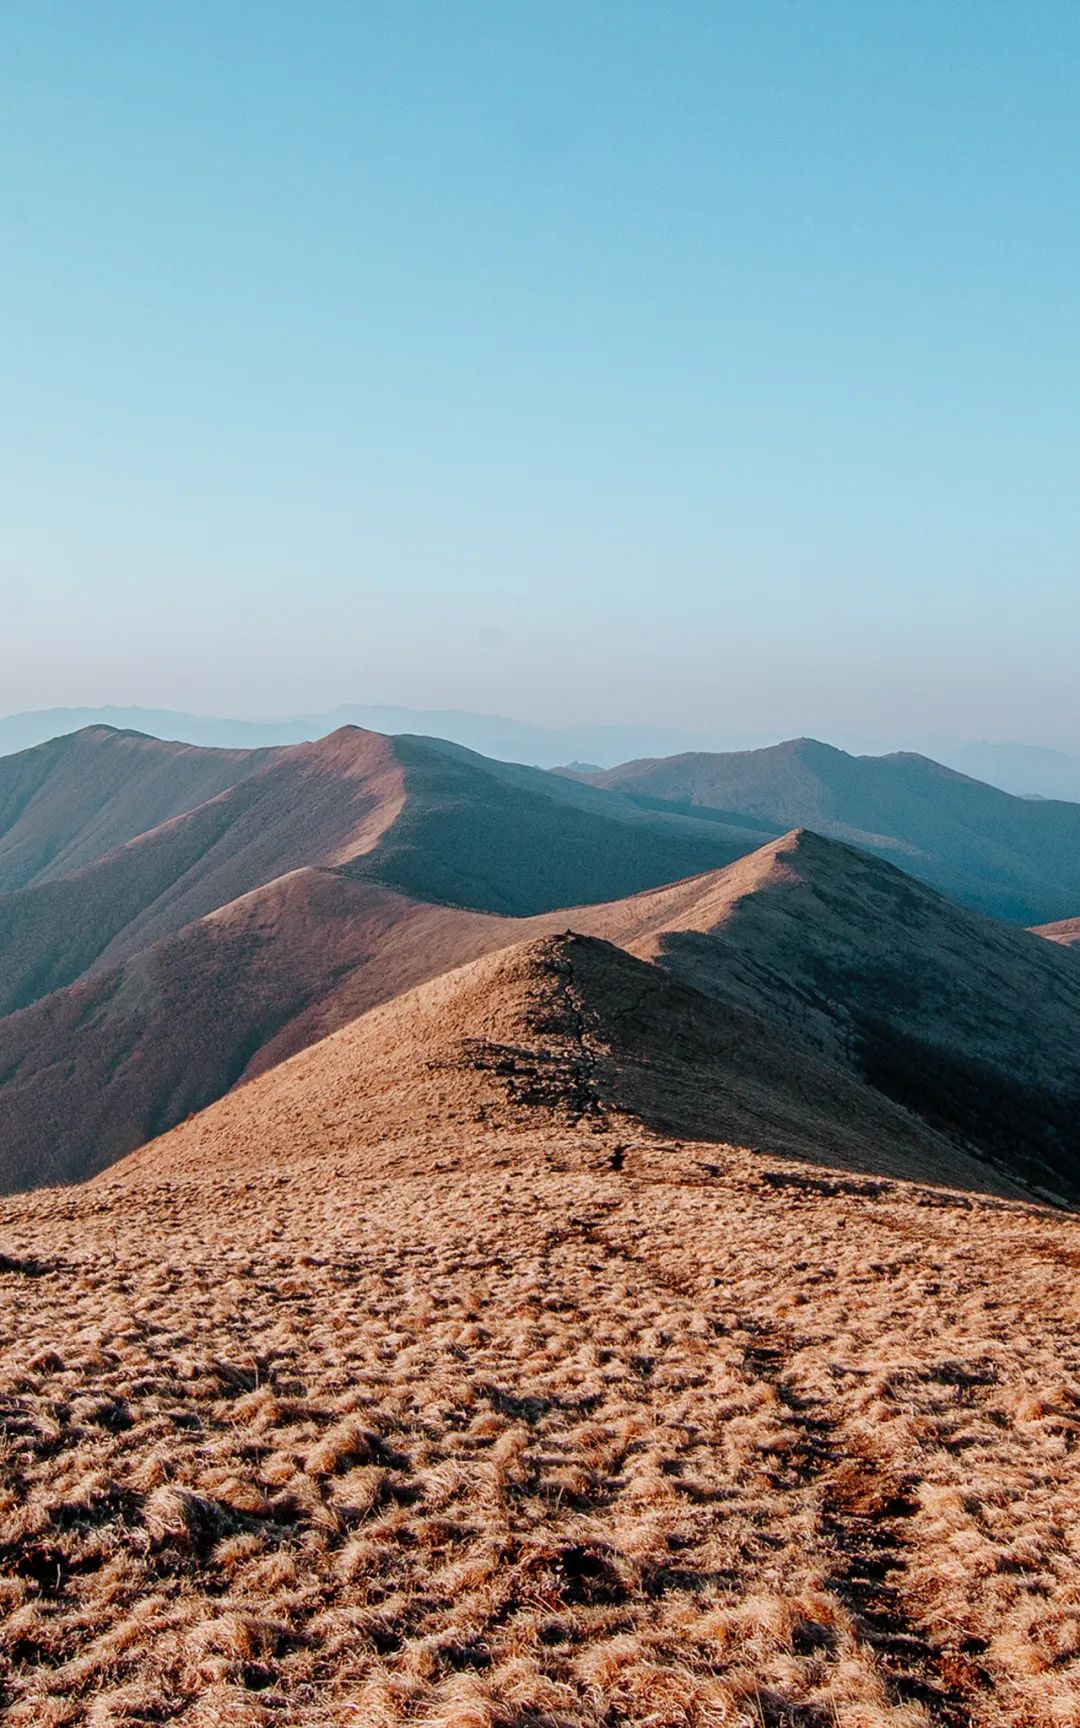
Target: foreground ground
542,1430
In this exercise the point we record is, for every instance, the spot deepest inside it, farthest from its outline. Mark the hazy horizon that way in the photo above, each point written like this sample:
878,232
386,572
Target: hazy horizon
703,368
1013,765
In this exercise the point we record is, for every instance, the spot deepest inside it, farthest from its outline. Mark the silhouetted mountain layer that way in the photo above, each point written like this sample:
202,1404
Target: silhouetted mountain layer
1029,770
491,734
1013,858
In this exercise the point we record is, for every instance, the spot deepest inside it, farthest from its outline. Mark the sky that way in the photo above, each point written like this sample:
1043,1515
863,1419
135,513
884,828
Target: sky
677,362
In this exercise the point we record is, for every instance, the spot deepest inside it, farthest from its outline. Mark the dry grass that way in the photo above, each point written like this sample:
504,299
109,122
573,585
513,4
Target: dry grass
500,1436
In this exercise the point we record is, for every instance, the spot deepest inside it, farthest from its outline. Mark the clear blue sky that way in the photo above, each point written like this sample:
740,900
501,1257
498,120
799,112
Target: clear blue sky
704,363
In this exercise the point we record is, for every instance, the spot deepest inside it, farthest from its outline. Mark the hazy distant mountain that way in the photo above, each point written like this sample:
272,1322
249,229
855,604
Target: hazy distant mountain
1015,858
1026,769
488,734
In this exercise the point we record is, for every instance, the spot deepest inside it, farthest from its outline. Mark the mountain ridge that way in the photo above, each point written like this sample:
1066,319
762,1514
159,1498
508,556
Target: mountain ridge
437,823
853,962
1026,770
567,1028
1009,857
69,801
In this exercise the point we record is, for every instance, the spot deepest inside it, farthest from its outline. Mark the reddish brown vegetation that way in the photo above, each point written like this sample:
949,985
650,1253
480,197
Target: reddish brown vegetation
528,1422
440,827
580,1031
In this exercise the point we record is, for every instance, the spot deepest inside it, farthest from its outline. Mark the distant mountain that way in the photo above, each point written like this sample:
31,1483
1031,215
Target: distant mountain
432,820
1025,769
489,735
1012,857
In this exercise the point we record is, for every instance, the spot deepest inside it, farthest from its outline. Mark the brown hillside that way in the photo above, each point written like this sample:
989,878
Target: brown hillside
316,803
65,804
511,1428
436,826
564,1028
91,1072
967,1021
970,1024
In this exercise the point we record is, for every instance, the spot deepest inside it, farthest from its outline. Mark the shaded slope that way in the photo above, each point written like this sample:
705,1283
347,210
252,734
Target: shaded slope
972,1023
71,801
563,1030
1014,858
435,825
505,838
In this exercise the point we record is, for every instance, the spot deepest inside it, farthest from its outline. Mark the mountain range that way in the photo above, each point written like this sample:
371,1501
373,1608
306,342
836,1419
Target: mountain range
509,1251
274,896
1011,857
1028,770
488,734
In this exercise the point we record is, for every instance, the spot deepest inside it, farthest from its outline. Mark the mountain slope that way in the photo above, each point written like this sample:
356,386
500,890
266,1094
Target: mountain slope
499,1431
563,1029
1014,858
971,1023
436,824
506,838
314,804
90,1072
71,801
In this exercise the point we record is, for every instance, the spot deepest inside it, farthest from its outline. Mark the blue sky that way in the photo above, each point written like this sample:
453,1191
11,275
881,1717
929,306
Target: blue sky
709,364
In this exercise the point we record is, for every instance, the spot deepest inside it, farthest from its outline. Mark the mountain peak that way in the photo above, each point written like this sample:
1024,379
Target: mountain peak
347,746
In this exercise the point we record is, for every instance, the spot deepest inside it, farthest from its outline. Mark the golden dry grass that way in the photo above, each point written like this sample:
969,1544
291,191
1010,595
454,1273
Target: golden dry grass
510,1431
